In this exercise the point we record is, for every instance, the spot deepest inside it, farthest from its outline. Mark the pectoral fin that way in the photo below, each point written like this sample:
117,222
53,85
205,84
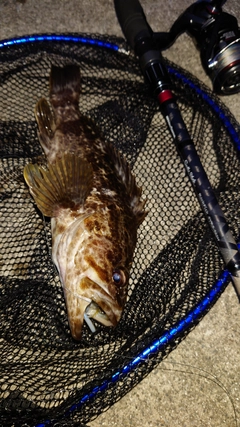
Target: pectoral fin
66,184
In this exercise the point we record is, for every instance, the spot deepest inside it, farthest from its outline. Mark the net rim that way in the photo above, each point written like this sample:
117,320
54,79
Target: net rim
68,37
201,308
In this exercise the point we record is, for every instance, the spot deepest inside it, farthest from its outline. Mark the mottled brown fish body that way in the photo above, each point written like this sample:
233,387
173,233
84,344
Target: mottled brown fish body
94,203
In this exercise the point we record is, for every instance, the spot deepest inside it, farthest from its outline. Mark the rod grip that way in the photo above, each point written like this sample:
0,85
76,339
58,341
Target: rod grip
132,20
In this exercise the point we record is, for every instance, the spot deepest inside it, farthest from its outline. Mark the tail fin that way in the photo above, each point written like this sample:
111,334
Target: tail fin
65,86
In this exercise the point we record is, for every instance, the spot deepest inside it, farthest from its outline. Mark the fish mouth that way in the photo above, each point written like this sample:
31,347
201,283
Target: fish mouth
95,312
92,302
103,307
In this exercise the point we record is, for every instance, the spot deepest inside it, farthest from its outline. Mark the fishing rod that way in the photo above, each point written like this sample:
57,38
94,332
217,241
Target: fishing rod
146,47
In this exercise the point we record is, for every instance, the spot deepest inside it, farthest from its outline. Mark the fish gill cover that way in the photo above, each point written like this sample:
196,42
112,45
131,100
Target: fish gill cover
46,377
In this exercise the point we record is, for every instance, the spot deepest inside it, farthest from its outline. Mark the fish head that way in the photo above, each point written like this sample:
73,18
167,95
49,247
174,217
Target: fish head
94,261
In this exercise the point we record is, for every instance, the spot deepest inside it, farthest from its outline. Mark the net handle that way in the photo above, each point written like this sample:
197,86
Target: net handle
139,35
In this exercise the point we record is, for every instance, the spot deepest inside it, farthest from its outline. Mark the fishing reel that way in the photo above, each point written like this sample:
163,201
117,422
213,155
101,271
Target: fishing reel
217,36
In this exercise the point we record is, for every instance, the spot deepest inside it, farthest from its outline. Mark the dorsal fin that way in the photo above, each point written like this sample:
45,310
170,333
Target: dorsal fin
125,175
66,183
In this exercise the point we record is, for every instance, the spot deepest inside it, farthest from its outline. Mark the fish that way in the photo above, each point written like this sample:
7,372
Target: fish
88,190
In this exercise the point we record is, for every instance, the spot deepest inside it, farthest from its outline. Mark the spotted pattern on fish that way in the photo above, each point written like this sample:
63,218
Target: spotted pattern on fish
94,203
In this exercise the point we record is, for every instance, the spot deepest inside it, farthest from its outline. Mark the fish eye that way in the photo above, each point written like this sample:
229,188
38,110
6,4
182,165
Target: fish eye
119,277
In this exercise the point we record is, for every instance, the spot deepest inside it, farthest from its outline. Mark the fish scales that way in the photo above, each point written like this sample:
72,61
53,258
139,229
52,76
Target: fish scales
94,203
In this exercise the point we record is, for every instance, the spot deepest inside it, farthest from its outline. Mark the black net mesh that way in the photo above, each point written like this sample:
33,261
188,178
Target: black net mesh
45,375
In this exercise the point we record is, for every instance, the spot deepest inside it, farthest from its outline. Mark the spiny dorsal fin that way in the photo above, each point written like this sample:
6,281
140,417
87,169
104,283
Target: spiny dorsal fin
66,184
124,173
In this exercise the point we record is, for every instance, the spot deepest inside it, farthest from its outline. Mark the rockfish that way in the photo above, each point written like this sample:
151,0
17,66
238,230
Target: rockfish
95,206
